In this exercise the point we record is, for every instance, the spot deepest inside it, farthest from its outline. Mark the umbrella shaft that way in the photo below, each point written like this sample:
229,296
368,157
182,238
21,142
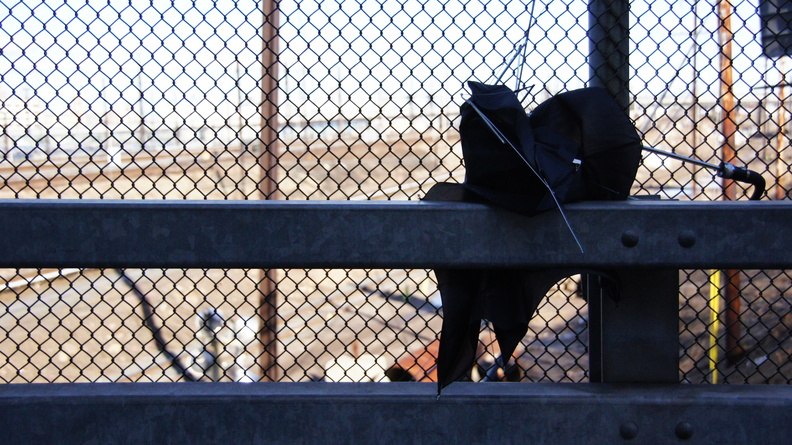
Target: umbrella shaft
681,158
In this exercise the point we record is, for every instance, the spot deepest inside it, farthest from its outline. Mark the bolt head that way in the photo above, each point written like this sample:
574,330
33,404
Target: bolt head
687,239
684,430
628,430
629,239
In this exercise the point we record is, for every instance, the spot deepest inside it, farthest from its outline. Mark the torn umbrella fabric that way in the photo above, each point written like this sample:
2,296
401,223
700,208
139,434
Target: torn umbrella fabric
575,146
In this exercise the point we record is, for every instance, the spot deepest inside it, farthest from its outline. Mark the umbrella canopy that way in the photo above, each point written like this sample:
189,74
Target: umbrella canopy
578,145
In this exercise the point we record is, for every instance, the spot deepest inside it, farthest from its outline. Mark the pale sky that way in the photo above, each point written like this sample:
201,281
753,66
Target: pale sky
203,54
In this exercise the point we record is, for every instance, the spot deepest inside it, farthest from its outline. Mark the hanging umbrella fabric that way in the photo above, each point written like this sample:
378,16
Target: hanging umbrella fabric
507,298
575,146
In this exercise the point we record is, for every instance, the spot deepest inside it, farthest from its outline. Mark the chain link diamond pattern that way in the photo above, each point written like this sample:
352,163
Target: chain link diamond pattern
117,99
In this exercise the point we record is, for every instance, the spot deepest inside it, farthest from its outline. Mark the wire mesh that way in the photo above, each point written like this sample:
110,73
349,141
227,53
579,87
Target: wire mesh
301,99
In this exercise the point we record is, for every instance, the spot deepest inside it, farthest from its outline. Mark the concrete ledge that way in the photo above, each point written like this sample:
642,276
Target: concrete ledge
292,413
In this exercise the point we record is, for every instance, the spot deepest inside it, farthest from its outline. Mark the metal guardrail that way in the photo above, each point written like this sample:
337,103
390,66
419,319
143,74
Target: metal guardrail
633,342
400,234
472,413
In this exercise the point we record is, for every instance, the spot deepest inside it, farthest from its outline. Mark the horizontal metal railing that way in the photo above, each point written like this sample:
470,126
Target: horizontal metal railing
633,341
397,234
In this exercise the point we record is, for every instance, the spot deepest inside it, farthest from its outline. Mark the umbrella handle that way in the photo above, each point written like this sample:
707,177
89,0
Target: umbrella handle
727,170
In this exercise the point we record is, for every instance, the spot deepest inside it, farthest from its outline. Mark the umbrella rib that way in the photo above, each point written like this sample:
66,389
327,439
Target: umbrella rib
566,221
511,61
504,140
526,40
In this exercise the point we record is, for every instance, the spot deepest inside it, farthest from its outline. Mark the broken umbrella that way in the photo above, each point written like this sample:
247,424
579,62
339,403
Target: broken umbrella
576,146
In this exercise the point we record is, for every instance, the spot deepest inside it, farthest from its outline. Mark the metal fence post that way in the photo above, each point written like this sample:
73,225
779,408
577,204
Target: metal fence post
728,149
634,335
609,47
268,185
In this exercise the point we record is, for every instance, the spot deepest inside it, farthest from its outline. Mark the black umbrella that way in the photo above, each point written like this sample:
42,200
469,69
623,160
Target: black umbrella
576,146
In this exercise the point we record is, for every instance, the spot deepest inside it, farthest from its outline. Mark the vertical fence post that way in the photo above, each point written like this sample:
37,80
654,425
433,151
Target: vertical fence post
781,137
728,131
609,48
268,185
692,136
635,339
609,69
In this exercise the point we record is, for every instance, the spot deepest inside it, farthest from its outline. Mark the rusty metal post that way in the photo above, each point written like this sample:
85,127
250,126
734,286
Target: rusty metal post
694,142
728,130
268,185
780,190
728,123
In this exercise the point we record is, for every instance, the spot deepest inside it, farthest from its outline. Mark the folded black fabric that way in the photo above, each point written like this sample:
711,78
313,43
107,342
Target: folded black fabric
576,146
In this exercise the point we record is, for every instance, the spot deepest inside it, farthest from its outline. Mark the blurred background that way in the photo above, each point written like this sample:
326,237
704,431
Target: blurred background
355,100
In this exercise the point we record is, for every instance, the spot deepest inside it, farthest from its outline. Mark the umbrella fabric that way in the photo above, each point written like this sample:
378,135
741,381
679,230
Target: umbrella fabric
507,298
608,146
581,145
494,170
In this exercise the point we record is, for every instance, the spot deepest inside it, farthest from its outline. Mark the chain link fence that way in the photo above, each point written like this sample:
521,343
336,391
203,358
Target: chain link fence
301,99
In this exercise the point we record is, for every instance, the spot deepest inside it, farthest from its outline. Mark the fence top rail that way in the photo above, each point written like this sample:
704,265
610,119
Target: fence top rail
391,234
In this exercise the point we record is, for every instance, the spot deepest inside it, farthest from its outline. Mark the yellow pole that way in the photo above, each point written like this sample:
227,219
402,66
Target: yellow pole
714,306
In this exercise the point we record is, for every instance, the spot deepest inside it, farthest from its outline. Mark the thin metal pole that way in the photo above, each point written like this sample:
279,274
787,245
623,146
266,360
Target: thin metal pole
780,191
240,100
678,157
728,130
141,130
694,63
268,185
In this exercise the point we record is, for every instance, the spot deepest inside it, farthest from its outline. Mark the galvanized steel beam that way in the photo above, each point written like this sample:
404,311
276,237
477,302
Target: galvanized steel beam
288,413
340,234
642,243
